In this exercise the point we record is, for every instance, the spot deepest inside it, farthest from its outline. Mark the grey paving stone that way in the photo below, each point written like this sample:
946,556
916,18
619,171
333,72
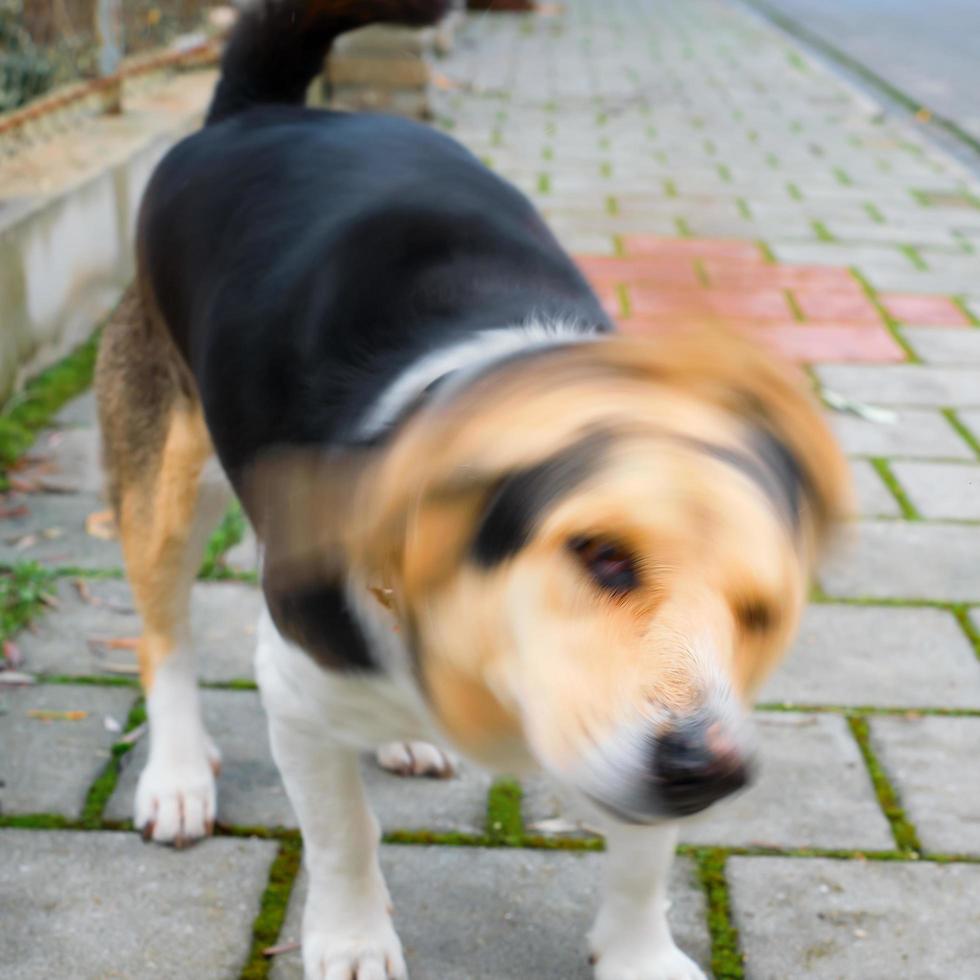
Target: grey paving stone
105,905
874,499
932,763
957,347
873,920
51,530
942,490
812,790
878,655
47,766
79,411
250,791
904,384
917,432
483,914
68,460
907,560
76,638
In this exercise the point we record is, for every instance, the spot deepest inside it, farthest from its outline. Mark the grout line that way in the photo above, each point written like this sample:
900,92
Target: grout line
888,799
961,430
883,470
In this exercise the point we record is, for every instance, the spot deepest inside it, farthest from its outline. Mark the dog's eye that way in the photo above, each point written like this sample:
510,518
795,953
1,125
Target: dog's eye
610,565
755,615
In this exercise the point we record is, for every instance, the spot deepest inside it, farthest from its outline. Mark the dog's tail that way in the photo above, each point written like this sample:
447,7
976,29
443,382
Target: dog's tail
278,46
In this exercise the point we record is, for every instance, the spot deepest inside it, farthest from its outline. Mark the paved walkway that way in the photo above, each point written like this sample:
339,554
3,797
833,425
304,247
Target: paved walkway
701,166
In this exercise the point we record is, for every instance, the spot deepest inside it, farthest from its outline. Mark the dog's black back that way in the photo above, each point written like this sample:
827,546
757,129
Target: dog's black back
302,259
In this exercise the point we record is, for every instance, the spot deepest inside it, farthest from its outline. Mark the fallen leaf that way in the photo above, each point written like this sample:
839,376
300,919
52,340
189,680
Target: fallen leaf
43,714
52,533
12,656
133,736
924,115
550,9
14,512
25,542
102,525
281,948
444,83
51,601
114,642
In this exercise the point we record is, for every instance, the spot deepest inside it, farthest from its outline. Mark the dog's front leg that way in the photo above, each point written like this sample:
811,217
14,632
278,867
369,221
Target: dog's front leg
347,929
631,939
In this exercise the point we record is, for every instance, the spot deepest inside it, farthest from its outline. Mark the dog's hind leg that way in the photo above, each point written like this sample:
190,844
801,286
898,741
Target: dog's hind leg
168,495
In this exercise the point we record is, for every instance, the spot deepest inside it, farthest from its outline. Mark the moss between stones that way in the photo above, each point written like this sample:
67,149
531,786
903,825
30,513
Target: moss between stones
884,470
822,231
962,614
964,433
272,908
890,322
30,410
867,709
966,311
726,957
103,787
504,822
23,590
902,830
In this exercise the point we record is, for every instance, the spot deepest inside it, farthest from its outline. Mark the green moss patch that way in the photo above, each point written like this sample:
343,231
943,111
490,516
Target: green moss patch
32,409
505,824
884,470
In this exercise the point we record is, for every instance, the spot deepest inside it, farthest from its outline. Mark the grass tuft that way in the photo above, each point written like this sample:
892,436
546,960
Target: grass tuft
23,590
230,531
884,470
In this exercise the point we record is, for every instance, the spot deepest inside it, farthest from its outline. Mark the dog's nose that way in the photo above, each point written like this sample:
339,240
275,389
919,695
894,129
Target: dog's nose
694,768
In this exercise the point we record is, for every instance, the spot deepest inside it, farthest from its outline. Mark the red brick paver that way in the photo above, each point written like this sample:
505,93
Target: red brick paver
807,313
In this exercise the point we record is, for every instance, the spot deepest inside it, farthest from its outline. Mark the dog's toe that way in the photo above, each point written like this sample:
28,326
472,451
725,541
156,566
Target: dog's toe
416,759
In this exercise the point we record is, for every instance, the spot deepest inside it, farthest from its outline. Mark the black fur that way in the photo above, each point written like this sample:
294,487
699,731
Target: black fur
319,620
524,497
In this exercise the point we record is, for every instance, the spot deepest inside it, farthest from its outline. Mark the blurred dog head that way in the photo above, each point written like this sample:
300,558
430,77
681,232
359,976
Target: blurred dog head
596,553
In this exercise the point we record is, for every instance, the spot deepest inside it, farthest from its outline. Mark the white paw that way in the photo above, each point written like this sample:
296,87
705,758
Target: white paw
635,959
416,759
176,798
373,953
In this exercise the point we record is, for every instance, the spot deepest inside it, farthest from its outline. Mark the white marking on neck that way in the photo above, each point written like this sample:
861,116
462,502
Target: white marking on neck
471,356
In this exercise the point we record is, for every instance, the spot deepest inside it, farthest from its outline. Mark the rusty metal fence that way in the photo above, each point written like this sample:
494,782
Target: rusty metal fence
45,43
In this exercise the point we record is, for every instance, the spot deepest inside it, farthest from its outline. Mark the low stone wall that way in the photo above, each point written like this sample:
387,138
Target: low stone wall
67,220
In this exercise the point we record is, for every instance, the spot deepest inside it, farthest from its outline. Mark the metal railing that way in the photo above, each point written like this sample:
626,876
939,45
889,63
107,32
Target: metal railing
46,43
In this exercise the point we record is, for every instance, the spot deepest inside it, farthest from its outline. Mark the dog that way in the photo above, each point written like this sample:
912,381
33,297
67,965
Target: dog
489,523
